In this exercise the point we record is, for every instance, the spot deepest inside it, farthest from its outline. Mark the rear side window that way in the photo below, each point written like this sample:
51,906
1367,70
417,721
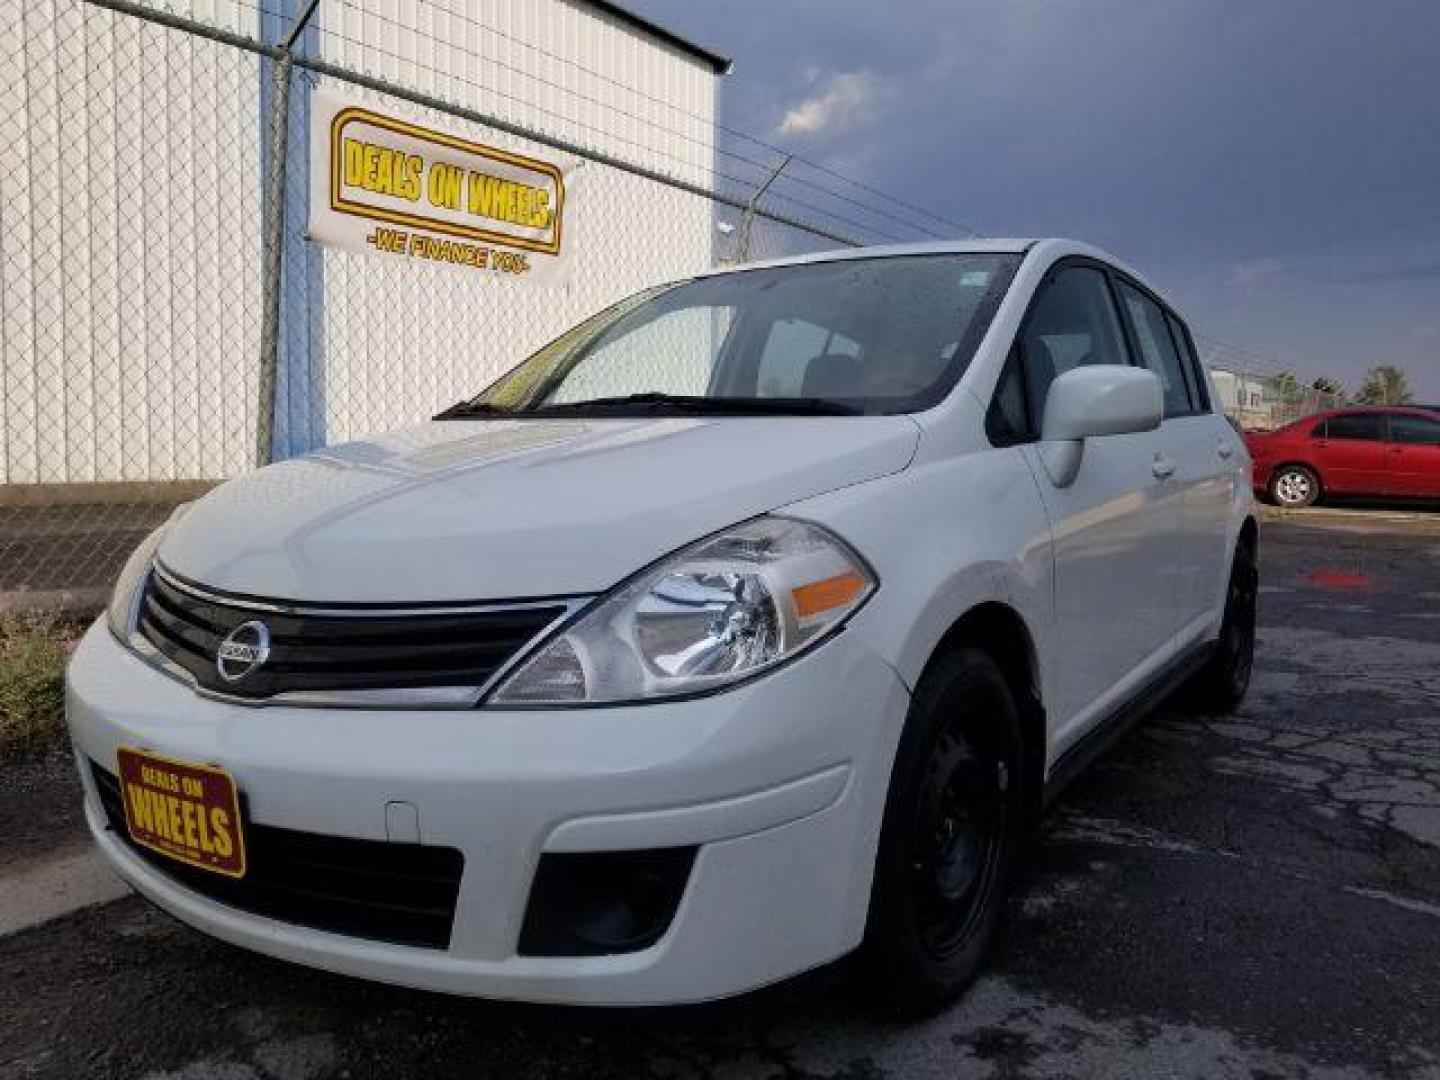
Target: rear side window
1073,324
1199,386
1157,349
1008,421
1419,430
1364,426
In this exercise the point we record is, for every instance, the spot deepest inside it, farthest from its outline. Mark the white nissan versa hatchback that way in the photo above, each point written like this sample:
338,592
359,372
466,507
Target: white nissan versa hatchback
742,628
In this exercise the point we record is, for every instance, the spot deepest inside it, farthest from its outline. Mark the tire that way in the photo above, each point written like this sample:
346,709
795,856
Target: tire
1294,487
1222,683
952,826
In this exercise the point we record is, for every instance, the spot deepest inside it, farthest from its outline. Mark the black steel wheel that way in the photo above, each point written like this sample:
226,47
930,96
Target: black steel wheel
1223,683
952,826
956,837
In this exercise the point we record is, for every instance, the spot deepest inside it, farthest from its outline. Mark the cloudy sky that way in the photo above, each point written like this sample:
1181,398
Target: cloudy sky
1274,166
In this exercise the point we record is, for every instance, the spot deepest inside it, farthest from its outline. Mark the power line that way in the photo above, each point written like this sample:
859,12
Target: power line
1216,345
721,127
876,191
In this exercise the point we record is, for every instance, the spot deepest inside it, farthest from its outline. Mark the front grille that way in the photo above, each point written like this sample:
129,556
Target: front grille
400,893
337,650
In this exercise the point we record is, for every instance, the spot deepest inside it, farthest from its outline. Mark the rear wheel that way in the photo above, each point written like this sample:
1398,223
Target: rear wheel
1294,486
1225,679
952,825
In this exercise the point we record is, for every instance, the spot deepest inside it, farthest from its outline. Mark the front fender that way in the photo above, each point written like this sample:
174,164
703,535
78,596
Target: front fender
944,537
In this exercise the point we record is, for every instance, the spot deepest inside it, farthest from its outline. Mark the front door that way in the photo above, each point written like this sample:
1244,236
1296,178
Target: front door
1117,529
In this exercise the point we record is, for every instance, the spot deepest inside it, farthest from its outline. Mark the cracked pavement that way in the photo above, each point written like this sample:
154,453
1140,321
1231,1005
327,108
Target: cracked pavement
1253,896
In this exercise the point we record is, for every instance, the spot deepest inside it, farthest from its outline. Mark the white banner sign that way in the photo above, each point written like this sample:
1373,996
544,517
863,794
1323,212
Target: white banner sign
387,186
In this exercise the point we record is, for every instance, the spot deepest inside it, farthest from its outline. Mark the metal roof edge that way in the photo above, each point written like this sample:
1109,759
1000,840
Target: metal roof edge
721,65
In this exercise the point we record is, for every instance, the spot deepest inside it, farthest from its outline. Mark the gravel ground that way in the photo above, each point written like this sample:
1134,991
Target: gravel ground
1251,896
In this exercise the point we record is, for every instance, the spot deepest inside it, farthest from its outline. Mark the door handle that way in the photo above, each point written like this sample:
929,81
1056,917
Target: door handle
1225,450
1162,467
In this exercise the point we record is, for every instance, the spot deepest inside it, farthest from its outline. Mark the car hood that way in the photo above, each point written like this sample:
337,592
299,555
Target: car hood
498,509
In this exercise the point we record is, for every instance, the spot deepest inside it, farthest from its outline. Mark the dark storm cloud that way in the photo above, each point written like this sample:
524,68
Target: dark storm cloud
1274,166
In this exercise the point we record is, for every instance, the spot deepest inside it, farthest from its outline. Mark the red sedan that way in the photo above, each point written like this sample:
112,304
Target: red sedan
1382,453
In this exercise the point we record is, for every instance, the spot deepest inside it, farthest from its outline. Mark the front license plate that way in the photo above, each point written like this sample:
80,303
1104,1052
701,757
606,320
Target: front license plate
187,811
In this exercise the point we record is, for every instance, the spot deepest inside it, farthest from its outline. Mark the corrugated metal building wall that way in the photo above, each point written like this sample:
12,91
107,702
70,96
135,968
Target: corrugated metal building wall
130,207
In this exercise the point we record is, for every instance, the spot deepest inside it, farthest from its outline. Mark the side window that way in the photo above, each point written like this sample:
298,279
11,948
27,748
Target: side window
799,356
1418,430
1157,349
1007,421
1318,431
1072,324
1364,426
1199,387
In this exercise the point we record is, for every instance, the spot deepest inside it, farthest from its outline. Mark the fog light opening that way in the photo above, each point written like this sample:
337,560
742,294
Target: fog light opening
601,903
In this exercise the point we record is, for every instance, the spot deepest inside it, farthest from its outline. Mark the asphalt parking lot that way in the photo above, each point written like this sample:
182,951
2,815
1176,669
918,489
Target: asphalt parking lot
1251,896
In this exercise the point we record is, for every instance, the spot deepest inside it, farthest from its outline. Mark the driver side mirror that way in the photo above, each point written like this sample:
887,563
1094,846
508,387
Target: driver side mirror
1092,402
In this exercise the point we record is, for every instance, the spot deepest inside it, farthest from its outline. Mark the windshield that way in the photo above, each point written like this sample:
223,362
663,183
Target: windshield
877,335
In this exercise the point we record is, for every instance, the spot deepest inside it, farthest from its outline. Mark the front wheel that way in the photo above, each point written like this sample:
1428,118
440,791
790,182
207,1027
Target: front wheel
1294,486
951,829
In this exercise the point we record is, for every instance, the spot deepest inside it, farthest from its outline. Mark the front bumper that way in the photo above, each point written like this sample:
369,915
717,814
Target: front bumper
780,784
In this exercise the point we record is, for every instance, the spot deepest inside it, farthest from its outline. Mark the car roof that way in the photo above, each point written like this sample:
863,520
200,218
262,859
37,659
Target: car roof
1343,410
967,246
1360,407
1052,247
880,251
1049,249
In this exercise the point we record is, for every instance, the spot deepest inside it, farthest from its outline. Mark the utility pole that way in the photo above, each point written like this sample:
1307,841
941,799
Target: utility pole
274,237
742,247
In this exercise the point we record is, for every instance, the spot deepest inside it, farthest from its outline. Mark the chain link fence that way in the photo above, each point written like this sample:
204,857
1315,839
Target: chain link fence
166,322
129,286
1260,402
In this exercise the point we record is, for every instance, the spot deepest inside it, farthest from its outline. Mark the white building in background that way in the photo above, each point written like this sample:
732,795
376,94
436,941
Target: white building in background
132,194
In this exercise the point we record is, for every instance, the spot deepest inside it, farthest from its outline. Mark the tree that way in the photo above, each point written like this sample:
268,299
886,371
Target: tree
1331,388
1287,387
1384,385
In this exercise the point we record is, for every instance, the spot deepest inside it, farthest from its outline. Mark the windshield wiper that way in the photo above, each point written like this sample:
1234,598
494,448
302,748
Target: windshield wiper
461,409
652,402
698,405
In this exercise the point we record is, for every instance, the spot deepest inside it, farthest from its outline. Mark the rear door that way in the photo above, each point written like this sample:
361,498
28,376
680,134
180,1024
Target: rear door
1116,529
1413,453
1350,453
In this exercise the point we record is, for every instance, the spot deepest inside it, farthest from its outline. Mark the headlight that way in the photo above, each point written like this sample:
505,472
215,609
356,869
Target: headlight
712,614
125,597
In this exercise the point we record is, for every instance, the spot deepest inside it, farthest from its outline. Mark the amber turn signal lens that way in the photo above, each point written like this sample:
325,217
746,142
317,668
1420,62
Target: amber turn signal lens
833,592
